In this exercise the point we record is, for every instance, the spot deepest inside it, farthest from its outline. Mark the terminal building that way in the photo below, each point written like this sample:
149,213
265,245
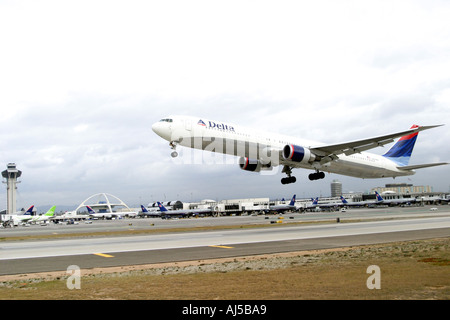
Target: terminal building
403,188
425,194
106,203
262,205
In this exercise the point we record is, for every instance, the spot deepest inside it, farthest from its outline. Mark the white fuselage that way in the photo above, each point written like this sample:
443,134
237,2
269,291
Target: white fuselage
216,136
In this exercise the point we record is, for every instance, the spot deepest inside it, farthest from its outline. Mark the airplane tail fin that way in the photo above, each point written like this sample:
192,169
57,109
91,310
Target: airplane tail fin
316,200
292,201
401,152
144,209
379,197
161,207
344,201
51,211
29,212
90,210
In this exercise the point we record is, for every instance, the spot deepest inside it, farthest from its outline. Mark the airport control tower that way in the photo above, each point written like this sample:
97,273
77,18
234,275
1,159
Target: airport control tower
11,174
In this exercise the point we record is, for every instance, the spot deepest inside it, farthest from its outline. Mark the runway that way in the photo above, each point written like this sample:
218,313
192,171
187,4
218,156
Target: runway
52,255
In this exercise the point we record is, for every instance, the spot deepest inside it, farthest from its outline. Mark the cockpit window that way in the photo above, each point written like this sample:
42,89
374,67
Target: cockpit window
166,120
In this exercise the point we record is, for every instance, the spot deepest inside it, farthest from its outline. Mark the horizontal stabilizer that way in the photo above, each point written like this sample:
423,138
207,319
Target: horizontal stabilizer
420,166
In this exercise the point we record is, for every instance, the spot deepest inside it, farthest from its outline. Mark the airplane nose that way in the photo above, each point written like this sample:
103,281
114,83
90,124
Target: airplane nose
161,129
156,127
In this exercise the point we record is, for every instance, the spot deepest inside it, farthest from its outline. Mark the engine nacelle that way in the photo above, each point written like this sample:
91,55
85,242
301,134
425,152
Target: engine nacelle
294,153
253,165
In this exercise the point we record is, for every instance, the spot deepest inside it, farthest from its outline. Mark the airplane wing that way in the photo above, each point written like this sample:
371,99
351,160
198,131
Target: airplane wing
332,151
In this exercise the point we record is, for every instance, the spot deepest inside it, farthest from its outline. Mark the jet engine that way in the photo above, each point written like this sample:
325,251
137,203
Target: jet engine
253,165
294,153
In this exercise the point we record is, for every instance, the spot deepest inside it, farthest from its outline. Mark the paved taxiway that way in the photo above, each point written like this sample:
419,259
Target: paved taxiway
157,223
88,252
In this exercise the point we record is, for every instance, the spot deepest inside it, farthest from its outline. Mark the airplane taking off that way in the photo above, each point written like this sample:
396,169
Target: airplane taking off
260,150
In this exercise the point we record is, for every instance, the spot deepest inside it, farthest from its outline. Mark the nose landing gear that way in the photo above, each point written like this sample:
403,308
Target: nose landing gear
173,146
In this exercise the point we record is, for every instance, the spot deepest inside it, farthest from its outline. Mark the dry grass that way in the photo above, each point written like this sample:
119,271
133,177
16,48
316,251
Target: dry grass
409,270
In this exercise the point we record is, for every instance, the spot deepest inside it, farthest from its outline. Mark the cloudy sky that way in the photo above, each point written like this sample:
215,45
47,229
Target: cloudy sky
81,83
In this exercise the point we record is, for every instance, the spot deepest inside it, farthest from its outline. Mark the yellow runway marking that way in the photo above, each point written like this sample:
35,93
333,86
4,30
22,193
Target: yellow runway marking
104,255
224,247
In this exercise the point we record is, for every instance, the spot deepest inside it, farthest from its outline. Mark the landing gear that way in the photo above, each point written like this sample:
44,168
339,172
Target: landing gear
173,145
316,176
289,178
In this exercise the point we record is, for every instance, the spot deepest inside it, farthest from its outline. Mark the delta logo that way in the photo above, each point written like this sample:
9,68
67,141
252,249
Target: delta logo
213,125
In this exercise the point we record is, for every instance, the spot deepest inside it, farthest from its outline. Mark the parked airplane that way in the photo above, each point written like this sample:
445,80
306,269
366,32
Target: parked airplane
260,150
284,207
123,214
356,203
145,212
359,203
94,214
45,217
19,217
180,212
313,204
380,200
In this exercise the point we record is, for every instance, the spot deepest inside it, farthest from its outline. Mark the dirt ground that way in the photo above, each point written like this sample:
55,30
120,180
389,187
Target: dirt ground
406,270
